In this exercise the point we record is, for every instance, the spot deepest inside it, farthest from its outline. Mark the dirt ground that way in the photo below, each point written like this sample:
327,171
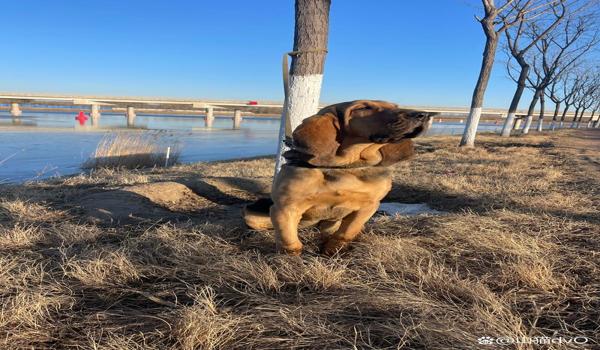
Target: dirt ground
160,258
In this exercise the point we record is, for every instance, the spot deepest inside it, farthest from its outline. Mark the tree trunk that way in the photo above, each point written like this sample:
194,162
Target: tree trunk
564,115
529,119
589,123
489,53
540,126
580,118
514,104
306,72
555,116
575,118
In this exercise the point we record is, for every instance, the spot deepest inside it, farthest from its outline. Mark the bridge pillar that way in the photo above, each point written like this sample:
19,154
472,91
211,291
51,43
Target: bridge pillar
130,116
518,124
237,119
15,111
95,114
210,117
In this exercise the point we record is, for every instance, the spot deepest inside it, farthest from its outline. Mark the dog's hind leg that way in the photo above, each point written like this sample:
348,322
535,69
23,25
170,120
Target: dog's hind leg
327,228
350,227
285,221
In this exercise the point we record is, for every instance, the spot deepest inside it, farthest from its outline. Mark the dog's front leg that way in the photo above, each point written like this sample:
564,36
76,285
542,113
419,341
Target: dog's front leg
285,221
349,229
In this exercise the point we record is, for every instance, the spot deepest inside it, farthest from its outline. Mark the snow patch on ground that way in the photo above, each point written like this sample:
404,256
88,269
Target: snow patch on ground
408,209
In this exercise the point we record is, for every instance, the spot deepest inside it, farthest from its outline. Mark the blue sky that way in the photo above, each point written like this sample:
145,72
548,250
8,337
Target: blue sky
410,52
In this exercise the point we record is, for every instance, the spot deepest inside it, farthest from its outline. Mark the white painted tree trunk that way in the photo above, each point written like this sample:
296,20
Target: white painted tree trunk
301,103
508,125
518,124
553,125
561,124
468,139
540,125
528,121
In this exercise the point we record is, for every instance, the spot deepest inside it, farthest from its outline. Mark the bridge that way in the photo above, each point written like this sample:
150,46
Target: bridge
130,105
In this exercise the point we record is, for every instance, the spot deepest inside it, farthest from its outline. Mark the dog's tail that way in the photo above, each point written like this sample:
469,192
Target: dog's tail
257,215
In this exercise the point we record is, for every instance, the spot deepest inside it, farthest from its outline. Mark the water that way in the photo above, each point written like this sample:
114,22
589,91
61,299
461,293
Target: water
51,145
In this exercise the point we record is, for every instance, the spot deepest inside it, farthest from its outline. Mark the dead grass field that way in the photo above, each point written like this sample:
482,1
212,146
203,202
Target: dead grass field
517,255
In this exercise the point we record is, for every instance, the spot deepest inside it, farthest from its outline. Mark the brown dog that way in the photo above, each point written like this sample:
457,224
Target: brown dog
336,172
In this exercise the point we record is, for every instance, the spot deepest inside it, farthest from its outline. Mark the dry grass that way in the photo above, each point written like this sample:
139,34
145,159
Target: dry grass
517,255
134,151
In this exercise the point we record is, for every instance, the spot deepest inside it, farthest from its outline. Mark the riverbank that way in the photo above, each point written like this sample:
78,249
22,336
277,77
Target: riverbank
160,258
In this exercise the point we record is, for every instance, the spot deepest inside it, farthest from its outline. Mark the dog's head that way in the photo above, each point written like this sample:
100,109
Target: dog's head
379,121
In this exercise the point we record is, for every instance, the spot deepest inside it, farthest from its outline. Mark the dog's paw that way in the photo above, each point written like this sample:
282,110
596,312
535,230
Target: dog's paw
294,250
333,246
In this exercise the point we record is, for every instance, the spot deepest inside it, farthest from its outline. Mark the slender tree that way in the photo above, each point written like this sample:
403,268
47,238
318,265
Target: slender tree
570,88
303,89
492,28
553,93
586,96
518,44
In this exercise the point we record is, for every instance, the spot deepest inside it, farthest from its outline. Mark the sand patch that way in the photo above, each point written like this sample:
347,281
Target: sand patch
162,201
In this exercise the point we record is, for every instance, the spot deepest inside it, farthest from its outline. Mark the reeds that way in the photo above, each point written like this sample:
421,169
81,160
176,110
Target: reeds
134,151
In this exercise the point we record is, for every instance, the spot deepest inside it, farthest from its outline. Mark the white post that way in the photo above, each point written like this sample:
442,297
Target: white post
130,116
15,111
95,114
210,117
237,119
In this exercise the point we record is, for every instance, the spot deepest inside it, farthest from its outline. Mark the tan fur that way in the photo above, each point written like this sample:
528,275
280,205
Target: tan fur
342,198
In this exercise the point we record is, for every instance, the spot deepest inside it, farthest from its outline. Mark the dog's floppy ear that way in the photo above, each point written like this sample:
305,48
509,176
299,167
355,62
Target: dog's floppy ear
316,138
396,152
370,107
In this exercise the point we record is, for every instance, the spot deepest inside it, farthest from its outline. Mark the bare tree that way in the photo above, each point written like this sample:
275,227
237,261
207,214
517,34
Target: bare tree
570,88
559,92
303,89
518,44
556,53
585,98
